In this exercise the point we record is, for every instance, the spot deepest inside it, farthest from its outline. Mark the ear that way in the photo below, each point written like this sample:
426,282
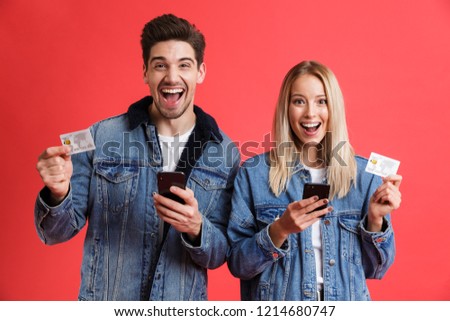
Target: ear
145,74
201,73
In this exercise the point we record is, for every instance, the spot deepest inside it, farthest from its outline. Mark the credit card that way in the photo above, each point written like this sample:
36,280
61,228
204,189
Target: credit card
381,165
80,141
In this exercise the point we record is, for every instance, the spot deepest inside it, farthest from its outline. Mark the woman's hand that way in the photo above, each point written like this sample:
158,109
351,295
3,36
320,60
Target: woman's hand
384,200
298,216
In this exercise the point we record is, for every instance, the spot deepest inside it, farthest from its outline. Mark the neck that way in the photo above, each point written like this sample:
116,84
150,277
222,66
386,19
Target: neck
311,156
173,126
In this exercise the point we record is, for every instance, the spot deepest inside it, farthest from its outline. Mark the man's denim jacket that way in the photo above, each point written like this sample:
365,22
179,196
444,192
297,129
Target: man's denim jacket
350,253
126,256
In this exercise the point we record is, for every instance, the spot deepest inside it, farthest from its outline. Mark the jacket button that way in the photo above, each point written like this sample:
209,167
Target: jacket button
380,239
327,222
275,255
332,262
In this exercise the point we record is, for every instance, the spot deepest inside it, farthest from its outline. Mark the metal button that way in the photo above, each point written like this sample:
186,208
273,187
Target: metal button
327,222
332,262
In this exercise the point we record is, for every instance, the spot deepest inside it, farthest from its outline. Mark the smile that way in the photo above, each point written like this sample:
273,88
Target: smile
311,127
172,94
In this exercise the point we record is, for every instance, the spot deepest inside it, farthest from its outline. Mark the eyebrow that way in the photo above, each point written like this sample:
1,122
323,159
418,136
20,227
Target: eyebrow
179,60
300,95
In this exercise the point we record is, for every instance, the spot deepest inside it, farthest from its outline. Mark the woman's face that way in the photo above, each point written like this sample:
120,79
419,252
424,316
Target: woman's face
308,109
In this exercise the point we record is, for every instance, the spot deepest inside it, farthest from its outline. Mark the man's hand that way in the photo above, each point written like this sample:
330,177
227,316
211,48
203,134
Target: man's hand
185,218
55,167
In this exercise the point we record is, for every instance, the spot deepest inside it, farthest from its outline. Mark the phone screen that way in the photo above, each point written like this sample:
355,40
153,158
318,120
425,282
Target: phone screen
320,190
168,179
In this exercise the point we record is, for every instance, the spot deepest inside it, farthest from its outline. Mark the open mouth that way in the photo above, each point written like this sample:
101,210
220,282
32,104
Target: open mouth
310,127
172,95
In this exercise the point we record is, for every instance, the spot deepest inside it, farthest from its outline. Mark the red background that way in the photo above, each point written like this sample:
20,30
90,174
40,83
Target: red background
67,64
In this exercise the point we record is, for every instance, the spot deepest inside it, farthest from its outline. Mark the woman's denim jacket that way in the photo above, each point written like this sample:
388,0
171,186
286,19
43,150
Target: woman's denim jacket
350,253
112,188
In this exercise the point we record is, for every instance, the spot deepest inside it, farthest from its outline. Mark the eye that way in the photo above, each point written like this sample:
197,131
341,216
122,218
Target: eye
298,101
185,65
159,66
323,101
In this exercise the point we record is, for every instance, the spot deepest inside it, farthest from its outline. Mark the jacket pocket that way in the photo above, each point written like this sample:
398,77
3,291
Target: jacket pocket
116,183
207,186
350,235
266,214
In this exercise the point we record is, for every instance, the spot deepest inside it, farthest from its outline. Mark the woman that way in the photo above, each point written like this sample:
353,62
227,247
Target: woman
282,247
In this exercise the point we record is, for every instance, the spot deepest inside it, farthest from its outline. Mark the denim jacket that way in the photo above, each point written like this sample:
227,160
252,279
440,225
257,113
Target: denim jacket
126,256
350,253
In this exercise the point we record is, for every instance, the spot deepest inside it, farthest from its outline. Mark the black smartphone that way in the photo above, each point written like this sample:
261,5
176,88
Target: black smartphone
320,190
168,179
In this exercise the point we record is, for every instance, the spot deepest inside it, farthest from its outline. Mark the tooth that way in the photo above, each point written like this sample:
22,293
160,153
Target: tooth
172,91
310,125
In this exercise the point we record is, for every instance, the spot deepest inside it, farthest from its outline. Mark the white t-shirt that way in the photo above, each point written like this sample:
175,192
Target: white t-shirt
317,176
172,147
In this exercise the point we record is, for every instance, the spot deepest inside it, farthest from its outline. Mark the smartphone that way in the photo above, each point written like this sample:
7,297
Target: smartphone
168,179
320,190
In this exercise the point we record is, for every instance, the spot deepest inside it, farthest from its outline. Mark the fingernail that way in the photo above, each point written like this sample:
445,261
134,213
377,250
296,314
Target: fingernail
325,201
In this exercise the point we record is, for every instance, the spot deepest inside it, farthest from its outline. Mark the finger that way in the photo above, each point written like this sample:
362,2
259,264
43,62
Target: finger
166,217
391,199
387,185
304,224
55,151
305,202
172,205
190,201
186,194
53,181
51,166
165,207
387,189
394,179
379,194
323,211
386,196
312,207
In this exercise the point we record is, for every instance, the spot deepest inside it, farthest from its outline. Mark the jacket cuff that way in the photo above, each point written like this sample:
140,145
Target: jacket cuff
199,241
268,248
376,237
43,199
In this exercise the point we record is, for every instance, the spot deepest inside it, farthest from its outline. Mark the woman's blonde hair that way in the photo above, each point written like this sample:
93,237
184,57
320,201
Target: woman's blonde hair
338,154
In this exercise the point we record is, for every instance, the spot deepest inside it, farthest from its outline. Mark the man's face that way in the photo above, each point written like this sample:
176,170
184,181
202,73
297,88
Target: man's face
172,76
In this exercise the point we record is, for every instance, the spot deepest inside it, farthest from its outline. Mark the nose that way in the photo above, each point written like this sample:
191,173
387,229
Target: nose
310,109
171,75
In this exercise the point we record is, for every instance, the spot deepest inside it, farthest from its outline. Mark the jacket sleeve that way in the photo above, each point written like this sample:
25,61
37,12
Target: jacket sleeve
378,248
251,249
211,250
62,222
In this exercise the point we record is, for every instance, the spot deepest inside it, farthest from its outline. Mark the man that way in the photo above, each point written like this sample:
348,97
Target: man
141,245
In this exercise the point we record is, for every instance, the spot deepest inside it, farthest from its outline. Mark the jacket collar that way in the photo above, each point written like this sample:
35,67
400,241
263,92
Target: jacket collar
138,114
